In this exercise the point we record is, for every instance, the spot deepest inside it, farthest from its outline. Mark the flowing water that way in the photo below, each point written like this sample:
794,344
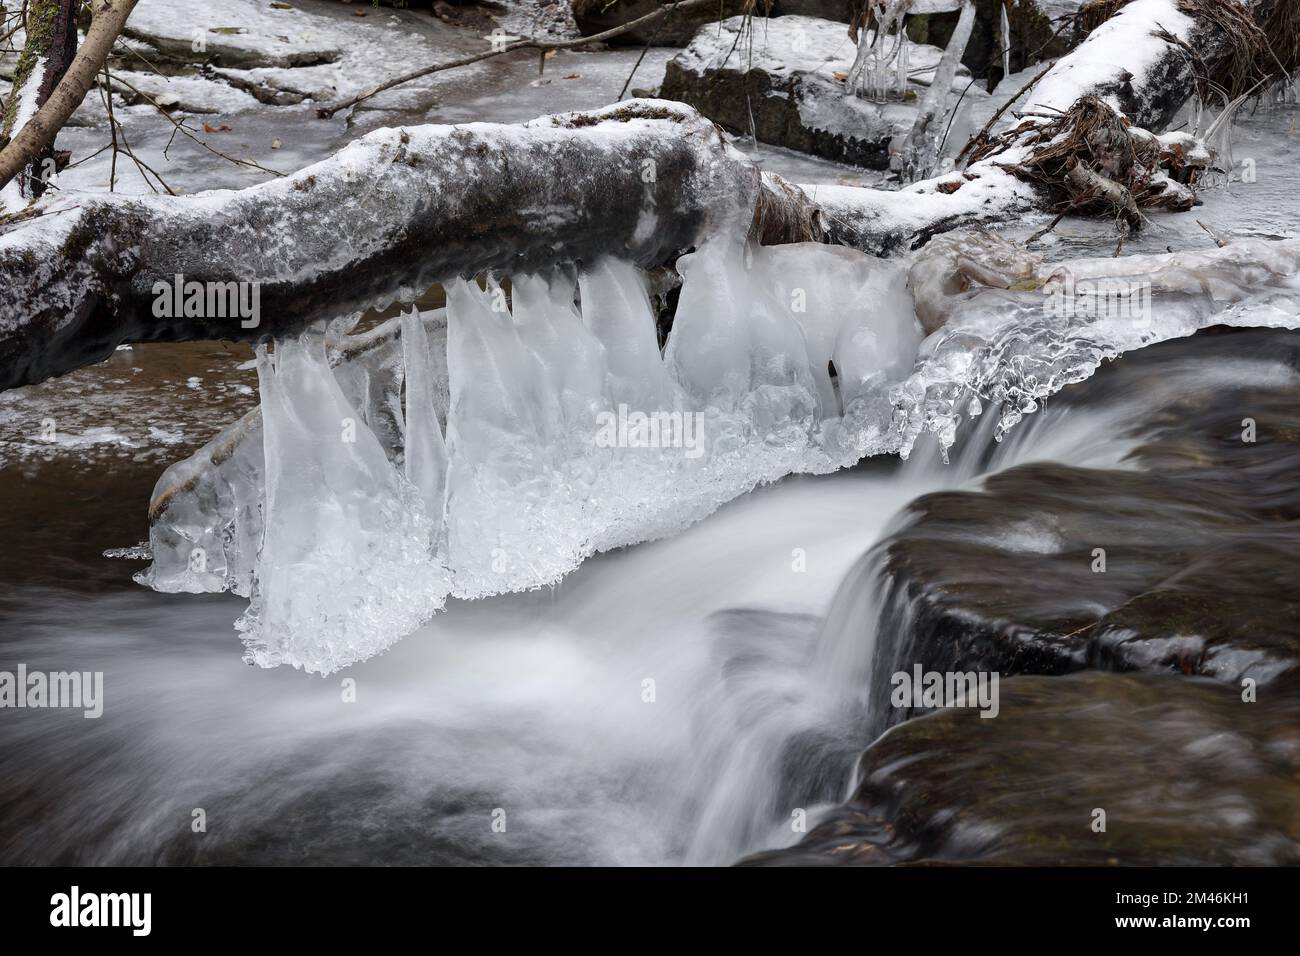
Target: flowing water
672,702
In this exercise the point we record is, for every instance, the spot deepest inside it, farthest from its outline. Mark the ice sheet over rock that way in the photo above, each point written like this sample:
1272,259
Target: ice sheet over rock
1013,348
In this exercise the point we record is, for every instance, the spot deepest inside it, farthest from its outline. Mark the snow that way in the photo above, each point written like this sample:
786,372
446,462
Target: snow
191,94
1126,43
251,30
11,198
922,204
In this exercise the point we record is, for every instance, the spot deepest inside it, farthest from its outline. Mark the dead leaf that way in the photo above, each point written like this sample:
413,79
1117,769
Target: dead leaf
550,54
950,187
840,76
358,13
572,76
209,128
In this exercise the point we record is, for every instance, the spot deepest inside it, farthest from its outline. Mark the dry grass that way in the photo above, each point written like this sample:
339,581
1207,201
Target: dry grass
1096,12
1093,163
1250,62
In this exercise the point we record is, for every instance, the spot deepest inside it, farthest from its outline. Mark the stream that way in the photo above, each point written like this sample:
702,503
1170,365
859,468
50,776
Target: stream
719,695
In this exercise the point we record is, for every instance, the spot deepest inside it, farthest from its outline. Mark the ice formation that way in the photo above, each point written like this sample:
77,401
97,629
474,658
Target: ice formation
345,516
1012,347
338,519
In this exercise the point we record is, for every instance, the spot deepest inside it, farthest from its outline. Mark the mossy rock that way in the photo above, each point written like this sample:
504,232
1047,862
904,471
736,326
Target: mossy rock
1185,771
1200,542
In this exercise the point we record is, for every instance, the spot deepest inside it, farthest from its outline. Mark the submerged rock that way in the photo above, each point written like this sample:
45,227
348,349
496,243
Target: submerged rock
783,79
1184,771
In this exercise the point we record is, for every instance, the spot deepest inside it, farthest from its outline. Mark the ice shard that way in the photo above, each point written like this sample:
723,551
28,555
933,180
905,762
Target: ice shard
345,567
425,453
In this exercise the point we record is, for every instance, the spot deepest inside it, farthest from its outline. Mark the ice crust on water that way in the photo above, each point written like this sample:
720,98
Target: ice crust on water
549,456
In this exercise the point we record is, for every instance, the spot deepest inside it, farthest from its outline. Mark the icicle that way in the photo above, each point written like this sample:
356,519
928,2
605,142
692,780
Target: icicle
708,350
853,309
208,530
338,519
917,151
501,529
574,359
491,377
1006,42
738,347
425,452
616,307
374,389
903,62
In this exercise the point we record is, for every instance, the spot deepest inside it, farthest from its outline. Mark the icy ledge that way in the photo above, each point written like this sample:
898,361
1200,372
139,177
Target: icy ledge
1021,330
495,445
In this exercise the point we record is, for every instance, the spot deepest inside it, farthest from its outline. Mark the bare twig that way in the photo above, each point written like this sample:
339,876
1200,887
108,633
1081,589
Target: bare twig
39,132
116,129
180,127
982,134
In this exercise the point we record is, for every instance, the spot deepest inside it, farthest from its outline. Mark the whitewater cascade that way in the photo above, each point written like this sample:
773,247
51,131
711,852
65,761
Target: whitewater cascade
493,445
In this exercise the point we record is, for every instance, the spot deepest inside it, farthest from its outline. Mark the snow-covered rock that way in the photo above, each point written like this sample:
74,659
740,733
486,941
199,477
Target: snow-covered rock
786,78
234,33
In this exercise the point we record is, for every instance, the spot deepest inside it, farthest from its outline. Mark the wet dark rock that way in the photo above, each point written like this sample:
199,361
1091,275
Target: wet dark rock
1201,540
1186,772
788,88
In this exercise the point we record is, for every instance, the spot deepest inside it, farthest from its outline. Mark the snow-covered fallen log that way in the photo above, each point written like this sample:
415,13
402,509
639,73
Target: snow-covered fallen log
1145,60
399,210
386,217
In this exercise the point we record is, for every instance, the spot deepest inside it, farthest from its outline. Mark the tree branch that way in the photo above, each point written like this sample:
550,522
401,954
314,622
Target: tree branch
39,132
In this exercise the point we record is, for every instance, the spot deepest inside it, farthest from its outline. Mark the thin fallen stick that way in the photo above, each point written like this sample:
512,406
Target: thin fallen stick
1005,106
180,127
1218,240
325,112
646,49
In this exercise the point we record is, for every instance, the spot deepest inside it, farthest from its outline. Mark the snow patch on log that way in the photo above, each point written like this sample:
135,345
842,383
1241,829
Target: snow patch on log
1122,53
